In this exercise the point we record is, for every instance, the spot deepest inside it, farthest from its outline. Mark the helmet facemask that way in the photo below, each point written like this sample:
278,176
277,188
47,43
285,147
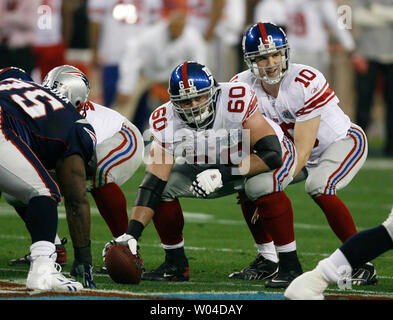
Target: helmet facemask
197,116
260,72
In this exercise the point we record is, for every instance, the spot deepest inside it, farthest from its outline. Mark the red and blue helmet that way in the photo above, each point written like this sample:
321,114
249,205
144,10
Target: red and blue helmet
192,80
261,39
14,72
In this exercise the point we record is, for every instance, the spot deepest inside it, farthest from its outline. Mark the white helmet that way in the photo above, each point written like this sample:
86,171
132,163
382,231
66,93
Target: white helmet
70,82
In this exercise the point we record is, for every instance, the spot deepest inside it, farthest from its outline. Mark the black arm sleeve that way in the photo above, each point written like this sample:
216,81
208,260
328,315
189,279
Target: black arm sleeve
268,149
150,191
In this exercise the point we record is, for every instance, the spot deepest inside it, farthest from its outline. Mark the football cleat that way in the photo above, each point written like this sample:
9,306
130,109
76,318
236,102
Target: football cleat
61,256
282,279
45,275
167,272
364,275
261,268
308,286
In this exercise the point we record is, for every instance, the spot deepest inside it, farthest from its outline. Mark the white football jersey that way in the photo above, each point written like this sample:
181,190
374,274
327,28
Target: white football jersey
304,94
105,121
120,20
236,103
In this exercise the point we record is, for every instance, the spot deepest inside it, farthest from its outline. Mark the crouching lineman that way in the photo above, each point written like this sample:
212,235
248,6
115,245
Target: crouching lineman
337,268
331,150
203,113
119,153
41,131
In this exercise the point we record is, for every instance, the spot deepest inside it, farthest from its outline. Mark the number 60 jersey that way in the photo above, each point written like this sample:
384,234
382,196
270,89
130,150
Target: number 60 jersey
304,94
235,104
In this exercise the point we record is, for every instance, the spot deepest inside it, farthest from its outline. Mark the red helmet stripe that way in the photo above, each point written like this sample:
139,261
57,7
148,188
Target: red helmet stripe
184,75
263,33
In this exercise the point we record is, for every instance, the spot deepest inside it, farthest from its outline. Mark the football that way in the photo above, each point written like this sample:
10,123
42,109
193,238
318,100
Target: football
122,265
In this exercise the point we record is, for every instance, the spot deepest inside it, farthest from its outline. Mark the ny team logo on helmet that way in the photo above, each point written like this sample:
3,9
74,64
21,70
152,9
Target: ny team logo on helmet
261,39
188,81
70,82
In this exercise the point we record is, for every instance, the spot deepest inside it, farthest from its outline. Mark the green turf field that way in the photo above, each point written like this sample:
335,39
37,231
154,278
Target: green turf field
217,240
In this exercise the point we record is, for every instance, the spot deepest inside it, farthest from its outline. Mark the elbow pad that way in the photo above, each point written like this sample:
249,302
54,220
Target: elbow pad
150,191
269,150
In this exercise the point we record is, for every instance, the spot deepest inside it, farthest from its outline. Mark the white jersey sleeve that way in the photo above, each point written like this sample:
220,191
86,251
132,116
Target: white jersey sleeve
313,92
105,121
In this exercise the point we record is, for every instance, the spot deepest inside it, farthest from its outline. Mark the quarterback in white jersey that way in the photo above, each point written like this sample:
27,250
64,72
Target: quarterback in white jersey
196,137
331,149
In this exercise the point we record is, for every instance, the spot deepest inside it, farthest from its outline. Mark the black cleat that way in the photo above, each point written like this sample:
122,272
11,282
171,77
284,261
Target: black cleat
167,272
364,275
24,261
260,268
282,279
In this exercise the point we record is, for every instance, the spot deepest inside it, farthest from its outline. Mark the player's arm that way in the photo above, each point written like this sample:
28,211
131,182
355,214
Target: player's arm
71,175
305,134
265,144
158,170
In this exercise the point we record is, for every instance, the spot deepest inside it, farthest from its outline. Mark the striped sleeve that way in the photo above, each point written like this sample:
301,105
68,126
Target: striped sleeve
252,107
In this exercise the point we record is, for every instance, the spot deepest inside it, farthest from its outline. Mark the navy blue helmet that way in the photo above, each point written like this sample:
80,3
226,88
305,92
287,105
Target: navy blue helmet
14,72
192,81
261,39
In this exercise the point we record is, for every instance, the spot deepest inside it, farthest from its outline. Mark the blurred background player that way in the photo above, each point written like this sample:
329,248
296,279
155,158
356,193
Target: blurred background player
221,23
52,37
119,153
147,61
198,110
307,24
18,20
112,22
373,65
331,149
41,131
337,268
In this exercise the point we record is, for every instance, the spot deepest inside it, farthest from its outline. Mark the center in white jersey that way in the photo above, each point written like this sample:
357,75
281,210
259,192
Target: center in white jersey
304,94
235,104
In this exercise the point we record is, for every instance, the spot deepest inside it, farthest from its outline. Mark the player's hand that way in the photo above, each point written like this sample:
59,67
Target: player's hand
206,182
125,240
83,273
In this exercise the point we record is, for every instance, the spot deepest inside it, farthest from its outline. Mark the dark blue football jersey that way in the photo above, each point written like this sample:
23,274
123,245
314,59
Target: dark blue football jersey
49,125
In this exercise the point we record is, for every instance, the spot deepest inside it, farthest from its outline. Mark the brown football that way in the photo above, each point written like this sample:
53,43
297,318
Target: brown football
122,265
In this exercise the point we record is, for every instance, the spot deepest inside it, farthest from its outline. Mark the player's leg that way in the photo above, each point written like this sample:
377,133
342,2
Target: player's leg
275,212
23,176
337,268
336,168
117,160
169,222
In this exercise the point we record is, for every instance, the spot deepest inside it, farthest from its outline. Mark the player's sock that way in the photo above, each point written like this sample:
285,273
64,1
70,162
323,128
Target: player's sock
366,245
275,211
337,215
169,222
21,211
112,205
176,257
262,238
41,219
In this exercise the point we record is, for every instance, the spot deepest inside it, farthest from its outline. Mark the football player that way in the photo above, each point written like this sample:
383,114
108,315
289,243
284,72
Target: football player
193,154
357,250
40,131
331,149
119,153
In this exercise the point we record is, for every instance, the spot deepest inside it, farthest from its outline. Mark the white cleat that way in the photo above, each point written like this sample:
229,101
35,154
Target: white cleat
308,286
45,275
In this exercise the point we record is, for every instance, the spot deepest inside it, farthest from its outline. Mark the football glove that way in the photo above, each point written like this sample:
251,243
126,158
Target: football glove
125,240
206,183
84,272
